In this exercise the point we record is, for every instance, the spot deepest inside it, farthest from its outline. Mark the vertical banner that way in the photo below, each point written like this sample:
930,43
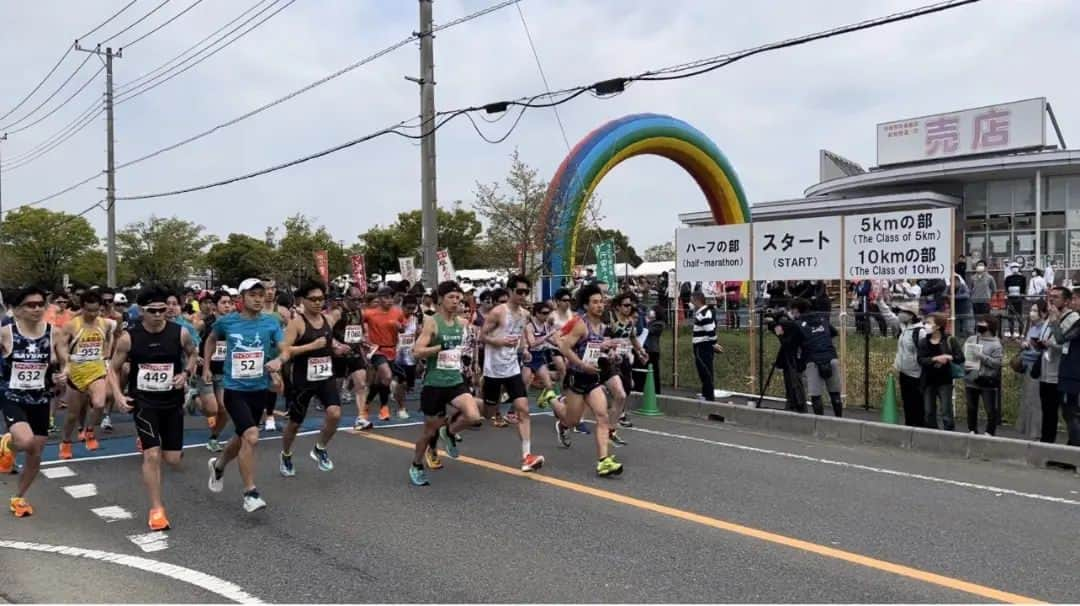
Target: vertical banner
408,268
605,264
446,266
358,273
322,265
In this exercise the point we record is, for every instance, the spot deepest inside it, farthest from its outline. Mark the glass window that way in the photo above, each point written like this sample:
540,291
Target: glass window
1053,247
1000,223
1000,252
976,247
1023,196
1062,193
975,200
1024,248
976,224
1053,220
1024,222
1074,248
999,197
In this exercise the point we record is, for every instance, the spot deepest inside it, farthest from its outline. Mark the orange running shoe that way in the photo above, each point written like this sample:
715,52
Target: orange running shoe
20,507
65,450
532,462
7,455
384,413
158,521
91,441
82,434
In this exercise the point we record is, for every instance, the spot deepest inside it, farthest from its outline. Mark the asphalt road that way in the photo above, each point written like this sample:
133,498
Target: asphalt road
703,513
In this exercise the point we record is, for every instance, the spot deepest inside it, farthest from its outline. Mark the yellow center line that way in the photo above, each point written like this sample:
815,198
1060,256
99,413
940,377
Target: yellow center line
747,531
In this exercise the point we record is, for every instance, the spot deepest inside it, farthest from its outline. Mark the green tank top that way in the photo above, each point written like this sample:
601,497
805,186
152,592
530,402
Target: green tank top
444,368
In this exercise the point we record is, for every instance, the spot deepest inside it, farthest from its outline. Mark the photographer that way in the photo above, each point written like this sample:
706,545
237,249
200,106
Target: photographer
818,357
787,359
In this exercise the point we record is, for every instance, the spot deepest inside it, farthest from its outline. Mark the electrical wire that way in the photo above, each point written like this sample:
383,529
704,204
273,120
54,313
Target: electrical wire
40,84
7,127
57,194
129,95
44,150
543,77
163,25
107,21
137,21
88,82
48,140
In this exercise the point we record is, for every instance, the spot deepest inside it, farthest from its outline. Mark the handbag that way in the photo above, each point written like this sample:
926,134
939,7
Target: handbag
958,371
1017,364
1036,368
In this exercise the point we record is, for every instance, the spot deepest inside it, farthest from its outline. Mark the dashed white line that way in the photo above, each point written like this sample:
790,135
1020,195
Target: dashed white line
151,541
112,513
81,491
212,584
61,471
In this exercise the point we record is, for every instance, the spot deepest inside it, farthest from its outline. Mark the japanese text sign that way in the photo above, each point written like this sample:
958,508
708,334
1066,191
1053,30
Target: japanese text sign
358,273
322,265
713,254
899,245
408,268
445,266
605,264
802,249
996,128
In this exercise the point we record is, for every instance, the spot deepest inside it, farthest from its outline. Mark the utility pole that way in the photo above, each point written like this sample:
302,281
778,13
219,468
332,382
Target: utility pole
3,137
428,198
110,159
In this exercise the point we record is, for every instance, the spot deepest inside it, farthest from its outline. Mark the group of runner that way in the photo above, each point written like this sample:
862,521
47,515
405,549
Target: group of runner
242,350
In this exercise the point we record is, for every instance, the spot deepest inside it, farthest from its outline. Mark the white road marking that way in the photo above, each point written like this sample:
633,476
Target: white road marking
209,583
846,465
81,491
61,471
112,513
151,541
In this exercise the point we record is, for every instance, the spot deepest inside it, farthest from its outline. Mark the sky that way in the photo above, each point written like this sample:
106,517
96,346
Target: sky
769,114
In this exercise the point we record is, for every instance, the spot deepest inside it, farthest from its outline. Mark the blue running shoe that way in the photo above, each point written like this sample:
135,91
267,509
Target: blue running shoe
418,476
582,428
286,466
320,456
449,442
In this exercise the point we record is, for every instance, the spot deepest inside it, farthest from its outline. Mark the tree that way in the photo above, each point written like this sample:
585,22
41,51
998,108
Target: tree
239,257
37,245
660,252
91,268
458,231
512,217
163,250
589,237
296,251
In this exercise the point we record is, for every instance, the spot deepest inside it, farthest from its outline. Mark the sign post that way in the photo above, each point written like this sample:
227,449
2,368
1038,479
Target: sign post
408,268
445,266
605,265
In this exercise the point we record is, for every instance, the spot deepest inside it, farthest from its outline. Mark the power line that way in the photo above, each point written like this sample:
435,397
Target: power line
317,83
127,96
163,25
88,82
43,149
57,194
40,84
7,127
107,21
543,77
137,21
48,140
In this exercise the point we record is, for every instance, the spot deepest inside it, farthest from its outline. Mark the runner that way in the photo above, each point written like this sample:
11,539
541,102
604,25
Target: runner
157,349
252,338
81,348
540,337
440,342
560,316
504,340
278,307
174,312
309,338
405,360
212,393
350,361
110,299
25,391
583,345
618,376
384,323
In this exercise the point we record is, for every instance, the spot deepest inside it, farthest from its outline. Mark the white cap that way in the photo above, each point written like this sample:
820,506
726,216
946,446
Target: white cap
251,283
120,298
232,292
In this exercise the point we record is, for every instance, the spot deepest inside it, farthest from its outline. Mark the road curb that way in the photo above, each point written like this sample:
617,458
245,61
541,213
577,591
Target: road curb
856,431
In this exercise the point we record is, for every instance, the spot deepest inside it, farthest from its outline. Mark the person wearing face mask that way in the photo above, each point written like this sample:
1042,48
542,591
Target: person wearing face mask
982,289
983,356
1029,421
906,364
1015,287
1068,375
937,352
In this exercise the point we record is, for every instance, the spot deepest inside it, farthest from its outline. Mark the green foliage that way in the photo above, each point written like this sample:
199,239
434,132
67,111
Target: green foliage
162,250
459,230
37,245
239,257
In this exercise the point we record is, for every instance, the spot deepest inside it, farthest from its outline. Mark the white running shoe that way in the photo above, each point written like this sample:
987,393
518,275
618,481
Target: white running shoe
106,423
217,482
253,502
403,414
270,425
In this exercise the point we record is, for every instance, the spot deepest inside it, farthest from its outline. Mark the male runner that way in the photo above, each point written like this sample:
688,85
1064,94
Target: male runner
405,359
252,339
384,323
350,361
618,378
309,337
539,338
163,357
504,341
584,346
25,390
212,393
81,348
109,300
560,317
440,342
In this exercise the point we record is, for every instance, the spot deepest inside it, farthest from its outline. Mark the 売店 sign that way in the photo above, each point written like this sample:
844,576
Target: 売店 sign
803,249
899,245
714,253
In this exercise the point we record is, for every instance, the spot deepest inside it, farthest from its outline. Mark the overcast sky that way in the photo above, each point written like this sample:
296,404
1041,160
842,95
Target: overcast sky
769,114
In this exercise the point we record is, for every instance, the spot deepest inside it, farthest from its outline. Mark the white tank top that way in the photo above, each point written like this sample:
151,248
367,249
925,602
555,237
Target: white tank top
502,362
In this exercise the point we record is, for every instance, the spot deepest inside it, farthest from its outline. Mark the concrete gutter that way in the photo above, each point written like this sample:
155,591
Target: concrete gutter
855,431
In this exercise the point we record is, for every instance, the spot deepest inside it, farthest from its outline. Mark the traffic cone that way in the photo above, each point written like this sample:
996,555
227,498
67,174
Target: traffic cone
889,413
648,398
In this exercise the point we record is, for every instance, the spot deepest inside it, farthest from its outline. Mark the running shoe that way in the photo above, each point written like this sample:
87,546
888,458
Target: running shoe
614,438
20,507
562,434
512,417
106,423
582,427
624,421
285,466
53,430
546,398
361,424
403,414
531,462
498,421
92,443
253,502
418,476
7,455
270,425
82,434
217,478
65,450
213,445
608,466
384,413
449,442
158,521
432,459
320,456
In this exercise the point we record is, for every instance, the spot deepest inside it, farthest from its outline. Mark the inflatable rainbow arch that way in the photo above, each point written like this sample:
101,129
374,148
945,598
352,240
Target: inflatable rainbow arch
607,146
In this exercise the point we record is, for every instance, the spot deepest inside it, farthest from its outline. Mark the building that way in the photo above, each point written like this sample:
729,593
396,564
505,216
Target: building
1017,197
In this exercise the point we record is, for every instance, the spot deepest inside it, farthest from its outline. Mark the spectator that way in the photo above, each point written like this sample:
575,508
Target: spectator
819,357
1060,320
778,297
938,351
983,356
656,319
1015,287
1029,421
1037,285
982,289
964,317
787,359
705,345
733,294
1069,374
820,301
906,363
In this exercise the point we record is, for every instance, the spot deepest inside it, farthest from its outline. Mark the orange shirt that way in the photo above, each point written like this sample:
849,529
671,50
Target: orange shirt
383,328
56,318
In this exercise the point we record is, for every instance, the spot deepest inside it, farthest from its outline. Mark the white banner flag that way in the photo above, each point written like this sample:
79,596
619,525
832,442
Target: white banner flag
446,266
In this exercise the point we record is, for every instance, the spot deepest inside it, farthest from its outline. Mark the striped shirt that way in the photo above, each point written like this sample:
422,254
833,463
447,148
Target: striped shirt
704,325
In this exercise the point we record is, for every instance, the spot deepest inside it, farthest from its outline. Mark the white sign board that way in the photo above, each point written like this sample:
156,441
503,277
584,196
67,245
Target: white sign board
713,253
802,249
445,266
899,245
408,268
995,128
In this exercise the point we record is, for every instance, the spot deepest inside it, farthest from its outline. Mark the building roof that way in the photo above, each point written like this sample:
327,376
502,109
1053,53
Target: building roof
831,205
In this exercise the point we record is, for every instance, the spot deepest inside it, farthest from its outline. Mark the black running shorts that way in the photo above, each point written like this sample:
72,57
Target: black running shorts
434,400
493,388
324,390
160,427
36,415
247,407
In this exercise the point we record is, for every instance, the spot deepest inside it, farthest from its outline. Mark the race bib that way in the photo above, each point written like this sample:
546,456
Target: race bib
354,333
28,375
624,349
449,359
593,353
219,352
155,377
319,369
247,364
89,351
405,342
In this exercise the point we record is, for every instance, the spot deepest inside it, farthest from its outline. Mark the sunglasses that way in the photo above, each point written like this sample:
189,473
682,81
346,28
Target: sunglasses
61,302
316,299
544,312
106,301
34,305
154,311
